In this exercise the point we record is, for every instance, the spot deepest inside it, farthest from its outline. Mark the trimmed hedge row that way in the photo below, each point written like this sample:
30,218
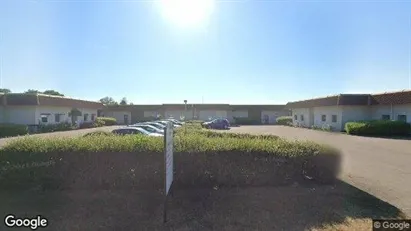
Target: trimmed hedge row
284,120
43,128
105,121
202,158
378,128
9,130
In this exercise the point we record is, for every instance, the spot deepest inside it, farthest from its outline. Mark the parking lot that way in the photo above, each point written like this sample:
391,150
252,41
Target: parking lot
376,165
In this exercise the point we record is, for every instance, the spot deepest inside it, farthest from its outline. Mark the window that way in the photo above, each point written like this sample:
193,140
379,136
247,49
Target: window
44,118
85,117
295,117
302,117
385,117
323,118
93,117
57,118
334,118
402,118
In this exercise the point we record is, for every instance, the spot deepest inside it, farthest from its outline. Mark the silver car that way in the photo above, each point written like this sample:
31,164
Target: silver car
133,131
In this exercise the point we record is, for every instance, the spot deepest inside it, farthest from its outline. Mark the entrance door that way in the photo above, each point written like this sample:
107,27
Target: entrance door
266,119
126,119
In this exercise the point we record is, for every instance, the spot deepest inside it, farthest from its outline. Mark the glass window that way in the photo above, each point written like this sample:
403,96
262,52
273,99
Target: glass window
85,117
402,118
385,117
93,117
44,118
295,117
334,118
302,117
323,118
57,118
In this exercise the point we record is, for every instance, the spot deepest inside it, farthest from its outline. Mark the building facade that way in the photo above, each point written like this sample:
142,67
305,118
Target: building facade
34,109
335,111
125,114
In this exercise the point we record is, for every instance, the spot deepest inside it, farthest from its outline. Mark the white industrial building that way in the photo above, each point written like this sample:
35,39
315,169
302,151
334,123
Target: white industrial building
335,111
34,109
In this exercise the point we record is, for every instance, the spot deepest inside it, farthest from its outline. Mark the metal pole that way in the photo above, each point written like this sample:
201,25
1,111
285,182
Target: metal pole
165,176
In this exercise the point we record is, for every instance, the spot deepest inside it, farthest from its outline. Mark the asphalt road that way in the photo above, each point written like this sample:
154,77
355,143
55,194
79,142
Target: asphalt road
381,167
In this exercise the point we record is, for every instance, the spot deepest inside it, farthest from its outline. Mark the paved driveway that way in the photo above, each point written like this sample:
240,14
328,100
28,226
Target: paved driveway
379,166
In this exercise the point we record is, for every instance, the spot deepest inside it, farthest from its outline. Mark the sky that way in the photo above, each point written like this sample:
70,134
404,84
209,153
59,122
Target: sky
205,51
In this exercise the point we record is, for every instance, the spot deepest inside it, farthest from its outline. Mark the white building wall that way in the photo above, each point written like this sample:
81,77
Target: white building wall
240,114
177,113
120,116
20,114
152,113
272,116
237,114
355,113
206,114
394,111
64,114
88,111
307,116
329,111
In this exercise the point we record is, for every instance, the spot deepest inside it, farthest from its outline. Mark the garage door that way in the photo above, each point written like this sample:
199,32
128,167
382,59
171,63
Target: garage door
206,115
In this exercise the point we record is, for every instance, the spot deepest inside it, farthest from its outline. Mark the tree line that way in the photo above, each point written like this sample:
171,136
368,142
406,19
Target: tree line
106,100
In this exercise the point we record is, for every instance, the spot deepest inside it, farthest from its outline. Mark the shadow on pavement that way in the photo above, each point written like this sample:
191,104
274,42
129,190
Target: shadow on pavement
295,207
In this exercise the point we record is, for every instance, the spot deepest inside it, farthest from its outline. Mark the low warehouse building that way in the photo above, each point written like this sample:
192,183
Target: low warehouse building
335,111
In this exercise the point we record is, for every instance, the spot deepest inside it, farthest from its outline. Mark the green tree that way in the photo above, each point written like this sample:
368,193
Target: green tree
108,101
52,92
5,90
32,91
123,101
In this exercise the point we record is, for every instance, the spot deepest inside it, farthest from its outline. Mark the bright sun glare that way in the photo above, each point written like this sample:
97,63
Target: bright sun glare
187,13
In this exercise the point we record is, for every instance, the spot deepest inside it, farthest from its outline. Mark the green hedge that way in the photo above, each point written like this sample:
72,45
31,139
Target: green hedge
43,128
378,128
107,121
284,120
202,158
9,130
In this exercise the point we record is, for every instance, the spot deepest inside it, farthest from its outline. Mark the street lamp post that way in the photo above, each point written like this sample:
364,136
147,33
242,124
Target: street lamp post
185,109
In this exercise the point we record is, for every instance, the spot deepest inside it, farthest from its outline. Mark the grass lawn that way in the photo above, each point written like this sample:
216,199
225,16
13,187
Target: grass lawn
296,207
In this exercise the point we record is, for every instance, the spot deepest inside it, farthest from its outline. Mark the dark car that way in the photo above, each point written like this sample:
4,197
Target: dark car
216,124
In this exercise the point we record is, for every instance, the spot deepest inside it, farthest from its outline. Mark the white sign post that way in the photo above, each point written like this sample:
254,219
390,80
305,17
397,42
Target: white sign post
168,163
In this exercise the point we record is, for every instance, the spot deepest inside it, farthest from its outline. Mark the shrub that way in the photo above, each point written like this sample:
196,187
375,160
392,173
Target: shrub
324,127
99,123
194,121
108,121
98,133
87,125
284,120
378,128
42,128
202,158
9,130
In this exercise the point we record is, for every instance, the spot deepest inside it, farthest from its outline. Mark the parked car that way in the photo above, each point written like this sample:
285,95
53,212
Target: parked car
157,125
174,121
216,124
149,128
165,123
133,131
